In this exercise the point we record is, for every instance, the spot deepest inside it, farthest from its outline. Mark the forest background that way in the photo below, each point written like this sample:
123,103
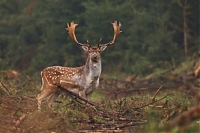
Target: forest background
156,34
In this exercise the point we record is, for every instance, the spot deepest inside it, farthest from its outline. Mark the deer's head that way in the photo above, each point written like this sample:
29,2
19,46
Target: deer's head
93,51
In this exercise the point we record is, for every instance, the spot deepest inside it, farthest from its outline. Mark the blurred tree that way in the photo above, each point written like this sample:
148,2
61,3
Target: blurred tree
145,36
33,35
183,20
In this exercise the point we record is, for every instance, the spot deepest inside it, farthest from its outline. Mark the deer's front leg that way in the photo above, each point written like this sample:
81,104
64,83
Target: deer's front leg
82,94
94,86
88,96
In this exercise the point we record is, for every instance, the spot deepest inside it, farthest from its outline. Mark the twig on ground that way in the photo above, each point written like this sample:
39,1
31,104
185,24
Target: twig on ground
29,98
21,86
154,97
7,91
130,124
169,70
19,121
153,102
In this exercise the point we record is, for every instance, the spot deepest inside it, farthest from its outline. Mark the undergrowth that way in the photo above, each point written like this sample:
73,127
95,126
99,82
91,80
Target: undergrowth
118,107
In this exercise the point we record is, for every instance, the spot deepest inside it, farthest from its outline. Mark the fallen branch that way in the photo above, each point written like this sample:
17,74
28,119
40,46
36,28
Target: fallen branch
6,128
19,121
130,124
7,91
184,119
29,98
189,86
101,131
154,97
76,96
153,101
21,86
169,70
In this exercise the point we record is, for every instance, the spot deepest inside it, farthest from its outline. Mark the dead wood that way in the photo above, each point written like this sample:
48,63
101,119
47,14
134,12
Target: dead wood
25,82
32,99
101,131
114,119
120,126
19,121
76,96
7,91
154,97
4,128
151,103
168,70
189,85
184,119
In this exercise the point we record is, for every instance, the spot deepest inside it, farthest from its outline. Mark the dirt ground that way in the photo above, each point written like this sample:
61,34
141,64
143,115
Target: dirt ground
130,105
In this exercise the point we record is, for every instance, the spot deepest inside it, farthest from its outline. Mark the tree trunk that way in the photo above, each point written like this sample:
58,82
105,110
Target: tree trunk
185,42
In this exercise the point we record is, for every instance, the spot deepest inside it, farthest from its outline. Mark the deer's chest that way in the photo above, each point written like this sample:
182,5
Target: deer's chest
91,84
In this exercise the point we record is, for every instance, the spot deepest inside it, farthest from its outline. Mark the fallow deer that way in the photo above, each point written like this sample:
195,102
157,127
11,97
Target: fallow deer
80,80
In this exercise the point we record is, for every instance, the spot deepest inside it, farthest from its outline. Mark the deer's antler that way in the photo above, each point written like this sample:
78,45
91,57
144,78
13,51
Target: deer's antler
116,28
71,31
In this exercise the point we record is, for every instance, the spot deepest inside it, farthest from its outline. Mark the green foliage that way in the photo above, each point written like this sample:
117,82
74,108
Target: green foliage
33,35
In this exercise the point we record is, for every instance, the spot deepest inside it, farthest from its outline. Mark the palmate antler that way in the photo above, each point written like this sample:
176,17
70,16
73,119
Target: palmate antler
71,31
117,31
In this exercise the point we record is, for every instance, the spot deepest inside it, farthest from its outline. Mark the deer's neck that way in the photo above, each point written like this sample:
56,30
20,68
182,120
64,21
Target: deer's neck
92,69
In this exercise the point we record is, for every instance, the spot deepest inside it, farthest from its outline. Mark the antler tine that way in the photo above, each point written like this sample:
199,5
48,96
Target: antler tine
117,31
88,43
71,31
99,41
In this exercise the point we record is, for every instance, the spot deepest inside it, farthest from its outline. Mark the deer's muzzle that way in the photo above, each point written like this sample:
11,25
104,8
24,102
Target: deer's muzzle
95,58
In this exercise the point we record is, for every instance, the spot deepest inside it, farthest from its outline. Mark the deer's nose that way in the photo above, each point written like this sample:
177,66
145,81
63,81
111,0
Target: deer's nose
95,57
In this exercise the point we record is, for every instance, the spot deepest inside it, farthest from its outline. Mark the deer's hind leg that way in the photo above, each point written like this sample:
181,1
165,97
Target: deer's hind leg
45,93
52,98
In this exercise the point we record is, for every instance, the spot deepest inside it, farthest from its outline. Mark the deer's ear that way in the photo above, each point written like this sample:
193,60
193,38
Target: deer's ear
102,48
85,48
